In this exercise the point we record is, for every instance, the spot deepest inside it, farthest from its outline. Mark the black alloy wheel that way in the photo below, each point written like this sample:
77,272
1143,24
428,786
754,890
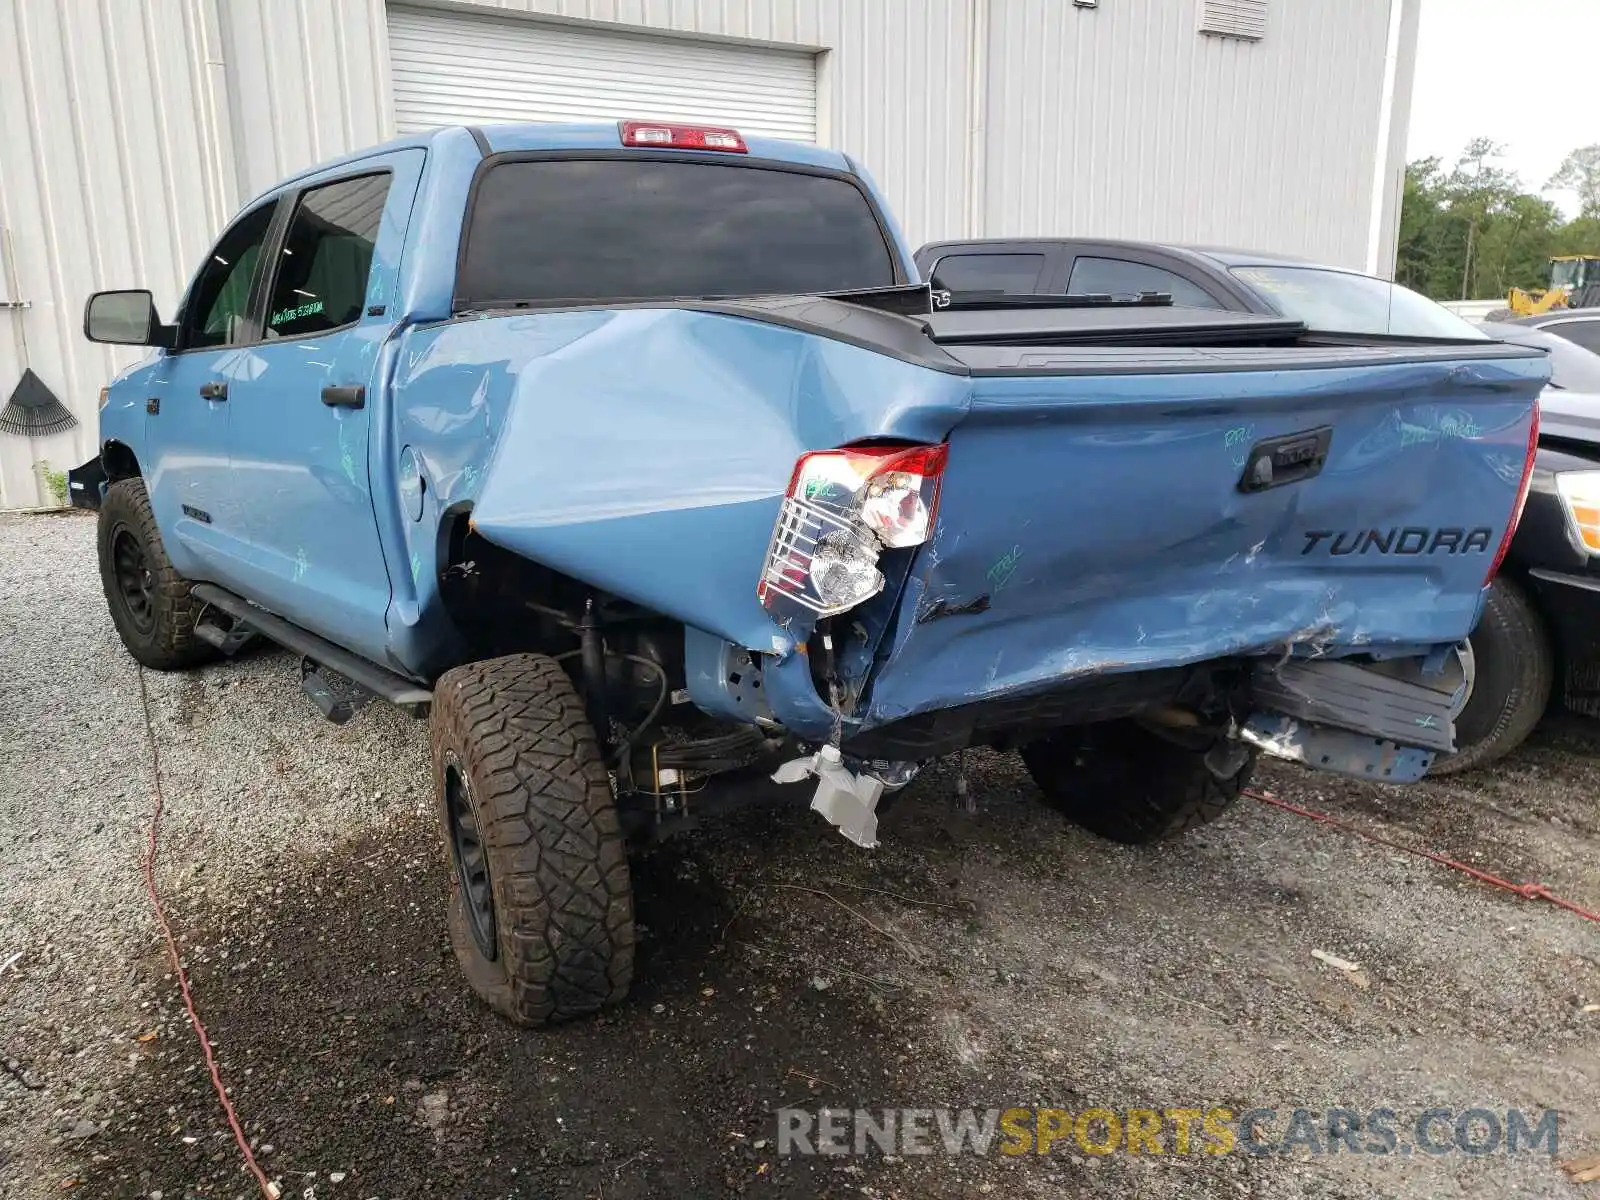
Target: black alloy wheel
471,859
136,582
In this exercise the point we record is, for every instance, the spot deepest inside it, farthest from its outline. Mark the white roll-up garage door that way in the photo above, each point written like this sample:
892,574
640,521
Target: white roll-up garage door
453,68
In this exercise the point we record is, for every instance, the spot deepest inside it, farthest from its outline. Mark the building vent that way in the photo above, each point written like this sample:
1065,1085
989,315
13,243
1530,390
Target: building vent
1234,18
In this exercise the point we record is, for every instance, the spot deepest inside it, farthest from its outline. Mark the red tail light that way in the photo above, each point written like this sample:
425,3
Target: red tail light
843,509
1522,497
681,137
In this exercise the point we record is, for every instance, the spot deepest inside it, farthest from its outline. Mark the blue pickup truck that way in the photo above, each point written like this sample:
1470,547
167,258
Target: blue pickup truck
635,457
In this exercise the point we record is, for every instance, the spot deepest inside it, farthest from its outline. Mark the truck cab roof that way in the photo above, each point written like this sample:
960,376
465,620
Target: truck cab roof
537,136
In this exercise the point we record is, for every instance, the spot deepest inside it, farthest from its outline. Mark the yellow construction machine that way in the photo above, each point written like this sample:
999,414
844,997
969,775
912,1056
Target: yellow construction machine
1574,283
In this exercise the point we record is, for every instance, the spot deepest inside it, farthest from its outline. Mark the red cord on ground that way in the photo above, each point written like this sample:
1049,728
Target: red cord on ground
1528,891
268,1188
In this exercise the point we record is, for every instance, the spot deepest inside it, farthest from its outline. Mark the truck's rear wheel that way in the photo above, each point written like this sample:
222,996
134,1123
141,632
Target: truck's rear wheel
1128,784
541,908
1512,672
149,601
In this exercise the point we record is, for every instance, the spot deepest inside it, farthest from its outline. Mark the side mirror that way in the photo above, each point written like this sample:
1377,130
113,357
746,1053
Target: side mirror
126,318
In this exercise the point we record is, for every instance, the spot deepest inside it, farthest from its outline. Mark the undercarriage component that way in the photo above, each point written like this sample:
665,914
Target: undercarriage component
848,800
686,757
666,785
1391,702
593,658
1336,750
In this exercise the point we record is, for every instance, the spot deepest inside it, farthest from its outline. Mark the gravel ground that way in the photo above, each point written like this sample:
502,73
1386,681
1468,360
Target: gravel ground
990,958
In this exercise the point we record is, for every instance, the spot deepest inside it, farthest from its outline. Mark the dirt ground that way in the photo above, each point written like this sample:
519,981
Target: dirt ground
990,958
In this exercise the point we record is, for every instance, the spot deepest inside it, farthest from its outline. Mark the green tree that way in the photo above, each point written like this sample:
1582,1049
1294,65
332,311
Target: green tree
1580,172
1478,195
1472,231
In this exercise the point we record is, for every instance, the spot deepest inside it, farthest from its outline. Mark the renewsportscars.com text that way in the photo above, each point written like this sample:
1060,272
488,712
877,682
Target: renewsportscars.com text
1216,1131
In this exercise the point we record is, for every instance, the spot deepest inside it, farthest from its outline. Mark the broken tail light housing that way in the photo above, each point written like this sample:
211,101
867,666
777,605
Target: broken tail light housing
842,510
668,136
1522,497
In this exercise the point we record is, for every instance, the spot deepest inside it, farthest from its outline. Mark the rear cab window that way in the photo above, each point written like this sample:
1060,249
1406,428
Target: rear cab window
588,230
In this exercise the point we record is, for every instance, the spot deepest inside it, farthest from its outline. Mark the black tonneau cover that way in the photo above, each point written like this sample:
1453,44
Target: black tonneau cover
1085,341
1121,323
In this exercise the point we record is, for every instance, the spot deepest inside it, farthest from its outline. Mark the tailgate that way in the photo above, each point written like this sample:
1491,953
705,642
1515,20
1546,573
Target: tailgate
1096,519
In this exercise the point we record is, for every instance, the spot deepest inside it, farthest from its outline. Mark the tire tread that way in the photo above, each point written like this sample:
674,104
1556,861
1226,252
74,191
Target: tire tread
172,645
1516,676
558,860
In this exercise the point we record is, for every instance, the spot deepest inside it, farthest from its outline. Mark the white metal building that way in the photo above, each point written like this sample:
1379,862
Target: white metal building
130,130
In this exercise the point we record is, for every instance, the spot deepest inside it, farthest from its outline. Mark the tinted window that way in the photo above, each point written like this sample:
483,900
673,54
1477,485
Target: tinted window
1584,333
1120,277
1344,302
218,310
1010,274
327,253
615,230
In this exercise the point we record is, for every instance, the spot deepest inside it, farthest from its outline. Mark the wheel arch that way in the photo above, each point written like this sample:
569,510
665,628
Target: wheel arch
119,461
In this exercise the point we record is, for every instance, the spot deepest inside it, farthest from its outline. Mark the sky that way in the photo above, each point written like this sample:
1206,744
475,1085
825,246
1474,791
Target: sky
1517,71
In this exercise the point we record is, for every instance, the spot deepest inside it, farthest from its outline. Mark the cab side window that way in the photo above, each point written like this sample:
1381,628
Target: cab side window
321,281
218,311
1123,277
1009,274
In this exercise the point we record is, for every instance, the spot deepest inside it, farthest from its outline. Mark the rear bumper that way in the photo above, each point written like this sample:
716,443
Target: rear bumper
1572,603
1382,721
86,485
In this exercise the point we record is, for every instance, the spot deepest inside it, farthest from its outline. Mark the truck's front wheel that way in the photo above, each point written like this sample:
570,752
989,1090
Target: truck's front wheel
541,908
149,601
1126,783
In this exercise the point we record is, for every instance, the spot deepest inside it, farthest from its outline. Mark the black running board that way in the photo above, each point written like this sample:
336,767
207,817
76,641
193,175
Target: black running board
381,682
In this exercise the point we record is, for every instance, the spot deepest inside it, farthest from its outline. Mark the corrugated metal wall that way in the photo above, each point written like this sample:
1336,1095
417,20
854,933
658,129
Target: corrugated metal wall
892,88
105,181
130,129
1123,121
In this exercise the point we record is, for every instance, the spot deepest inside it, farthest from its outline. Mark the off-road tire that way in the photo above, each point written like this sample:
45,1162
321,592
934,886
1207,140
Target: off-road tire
562,920
162,637
1123,782
1514,671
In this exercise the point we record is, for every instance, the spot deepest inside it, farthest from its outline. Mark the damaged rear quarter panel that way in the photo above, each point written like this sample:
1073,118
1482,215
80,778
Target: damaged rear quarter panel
646,450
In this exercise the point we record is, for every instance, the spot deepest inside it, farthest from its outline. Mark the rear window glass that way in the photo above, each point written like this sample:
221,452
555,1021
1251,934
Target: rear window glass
1009,274
1344,302
577,230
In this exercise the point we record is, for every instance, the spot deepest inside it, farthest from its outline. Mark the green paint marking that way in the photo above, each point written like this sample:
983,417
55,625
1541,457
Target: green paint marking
285,315
1004,568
